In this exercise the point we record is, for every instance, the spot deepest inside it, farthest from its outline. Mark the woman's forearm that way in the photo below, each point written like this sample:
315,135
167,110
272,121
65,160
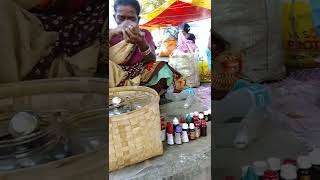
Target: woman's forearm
144,46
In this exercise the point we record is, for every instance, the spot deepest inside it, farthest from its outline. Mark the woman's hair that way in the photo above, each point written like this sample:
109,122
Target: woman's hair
134,3
185,27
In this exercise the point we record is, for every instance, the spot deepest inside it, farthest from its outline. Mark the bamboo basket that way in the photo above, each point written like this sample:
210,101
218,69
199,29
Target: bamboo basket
70,94
134,136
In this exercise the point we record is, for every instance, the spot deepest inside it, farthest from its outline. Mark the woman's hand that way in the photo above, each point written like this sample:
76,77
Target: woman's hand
133,34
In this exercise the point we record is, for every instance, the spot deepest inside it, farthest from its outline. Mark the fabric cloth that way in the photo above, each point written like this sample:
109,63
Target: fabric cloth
137,56
75,33
184,44
25,41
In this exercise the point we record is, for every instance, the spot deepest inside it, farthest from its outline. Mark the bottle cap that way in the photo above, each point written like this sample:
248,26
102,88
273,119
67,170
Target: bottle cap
260,167
183,120
289,161
185,126
178,129
270,174
201,116
162,118
170,130
187,115
304,162
189,119
197,124
175,121
229,178
191,114
206,113
163,126
288,171
203,123
196,113
274,164
169,124
315,156
191,126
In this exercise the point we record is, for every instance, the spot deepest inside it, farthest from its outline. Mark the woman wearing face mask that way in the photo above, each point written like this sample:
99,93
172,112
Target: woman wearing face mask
132,59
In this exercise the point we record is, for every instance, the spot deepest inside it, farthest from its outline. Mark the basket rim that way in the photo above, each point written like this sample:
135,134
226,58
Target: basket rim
130,88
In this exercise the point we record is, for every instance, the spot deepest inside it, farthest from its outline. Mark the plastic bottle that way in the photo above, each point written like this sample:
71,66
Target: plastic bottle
163,128
163,132
304,168
288,172
260,167
177,135
175,123
274,164
170,139
189,100
185,129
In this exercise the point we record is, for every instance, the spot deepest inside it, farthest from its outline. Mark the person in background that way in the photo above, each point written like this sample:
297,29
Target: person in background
132,59
185,30
315,9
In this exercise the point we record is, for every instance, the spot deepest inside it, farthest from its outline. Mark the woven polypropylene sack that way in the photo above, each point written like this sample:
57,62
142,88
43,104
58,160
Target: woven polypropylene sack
255,28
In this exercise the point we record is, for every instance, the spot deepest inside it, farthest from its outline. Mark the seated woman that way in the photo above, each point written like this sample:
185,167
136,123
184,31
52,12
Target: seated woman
185,30
132,59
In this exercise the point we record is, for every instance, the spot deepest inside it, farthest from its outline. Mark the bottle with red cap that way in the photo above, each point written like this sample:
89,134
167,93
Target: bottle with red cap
169,124
182,120
163,128
270,175
198,129
170,139
203,128
195,117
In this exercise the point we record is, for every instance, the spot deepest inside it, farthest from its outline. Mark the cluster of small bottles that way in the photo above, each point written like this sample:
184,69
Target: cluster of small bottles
302,168
190,127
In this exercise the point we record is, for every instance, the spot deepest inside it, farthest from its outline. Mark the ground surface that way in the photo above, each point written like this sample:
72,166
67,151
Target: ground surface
180,162
293,128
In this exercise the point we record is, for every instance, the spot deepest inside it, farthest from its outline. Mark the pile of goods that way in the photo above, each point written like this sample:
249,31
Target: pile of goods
31,139
302,168
191,127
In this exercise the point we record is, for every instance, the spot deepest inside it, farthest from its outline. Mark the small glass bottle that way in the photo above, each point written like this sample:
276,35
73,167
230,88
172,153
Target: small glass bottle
304,168
198,129
288,172
203,128
206,116
177,135
185,129
192,133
